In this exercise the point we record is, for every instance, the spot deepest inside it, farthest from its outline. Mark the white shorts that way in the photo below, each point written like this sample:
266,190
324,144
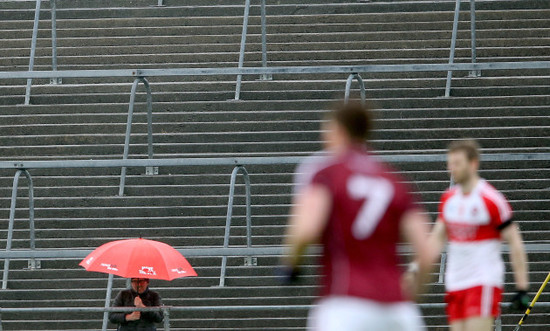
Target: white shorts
355,314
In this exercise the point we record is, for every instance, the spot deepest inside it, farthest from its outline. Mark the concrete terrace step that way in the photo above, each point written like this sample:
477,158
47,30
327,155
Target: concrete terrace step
420,21
67,28
414,97
181,122
277,42
280,50
113,10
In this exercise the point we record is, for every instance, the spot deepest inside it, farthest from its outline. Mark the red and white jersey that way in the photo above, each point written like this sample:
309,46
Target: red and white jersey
473,222
360,240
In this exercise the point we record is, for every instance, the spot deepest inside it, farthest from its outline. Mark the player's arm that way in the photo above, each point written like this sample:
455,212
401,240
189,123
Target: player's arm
518,257
308,220
435,241
437,238
427,248
414,229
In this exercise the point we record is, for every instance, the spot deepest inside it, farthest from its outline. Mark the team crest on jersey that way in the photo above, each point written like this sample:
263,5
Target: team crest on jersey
462,231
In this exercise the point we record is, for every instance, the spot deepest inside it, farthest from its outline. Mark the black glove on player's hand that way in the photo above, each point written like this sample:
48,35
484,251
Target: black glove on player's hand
520,301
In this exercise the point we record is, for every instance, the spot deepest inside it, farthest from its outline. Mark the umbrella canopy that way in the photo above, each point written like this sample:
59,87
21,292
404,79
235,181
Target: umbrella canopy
138,258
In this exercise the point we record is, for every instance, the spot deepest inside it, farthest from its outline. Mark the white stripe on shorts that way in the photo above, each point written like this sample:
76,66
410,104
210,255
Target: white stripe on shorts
486,300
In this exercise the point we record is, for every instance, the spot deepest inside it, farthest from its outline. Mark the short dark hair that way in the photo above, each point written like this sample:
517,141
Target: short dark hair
470,147
355,118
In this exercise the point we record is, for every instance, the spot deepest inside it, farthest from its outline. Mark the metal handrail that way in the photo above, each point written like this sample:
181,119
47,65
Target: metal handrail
234,161
237,163
359,80
33,50
229,216
196,308
21,254
53,9
246,16
473,73
243,45
167,309
141,75
32,263
129,127
221,251
334,69
160,3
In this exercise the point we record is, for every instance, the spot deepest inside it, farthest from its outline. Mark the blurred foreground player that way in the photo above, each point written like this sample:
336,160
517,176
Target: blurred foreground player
358,209
474,217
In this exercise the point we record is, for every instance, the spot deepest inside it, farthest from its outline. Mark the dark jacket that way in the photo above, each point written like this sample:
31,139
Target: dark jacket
148,318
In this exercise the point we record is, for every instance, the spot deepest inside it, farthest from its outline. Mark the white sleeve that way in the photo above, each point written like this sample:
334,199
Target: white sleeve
306,170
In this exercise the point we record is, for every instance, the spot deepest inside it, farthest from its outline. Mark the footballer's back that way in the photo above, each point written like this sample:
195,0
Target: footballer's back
360,241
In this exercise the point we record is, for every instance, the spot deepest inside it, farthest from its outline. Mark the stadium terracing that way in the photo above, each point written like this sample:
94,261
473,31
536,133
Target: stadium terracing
205,126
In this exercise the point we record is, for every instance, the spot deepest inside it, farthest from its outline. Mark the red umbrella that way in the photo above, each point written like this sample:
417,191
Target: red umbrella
138,258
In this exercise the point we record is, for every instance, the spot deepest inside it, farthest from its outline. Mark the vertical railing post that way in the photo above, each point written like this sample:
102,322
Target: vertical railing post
128,134
11,222
441,277
443,261
453,47
129,129
498,323
248,208
347,92
166,313
229,216
33,50
32,236
264,42
473,73
160,3
10,227
149,170
149,117
107,302
53,9
243,46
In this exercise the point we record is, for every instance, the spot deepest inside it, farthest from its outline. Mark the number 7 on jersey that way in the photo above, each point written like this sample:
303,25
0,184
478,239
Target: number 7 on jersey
378,193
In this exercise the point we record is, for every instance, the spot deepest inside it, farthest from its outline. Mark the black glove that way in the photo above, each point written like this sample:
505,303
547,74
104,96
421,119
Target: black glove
520,301
287,275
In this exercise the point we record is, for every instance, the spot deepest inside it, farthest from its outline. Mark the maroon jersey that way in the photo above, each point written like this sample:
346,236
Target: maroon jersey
360,240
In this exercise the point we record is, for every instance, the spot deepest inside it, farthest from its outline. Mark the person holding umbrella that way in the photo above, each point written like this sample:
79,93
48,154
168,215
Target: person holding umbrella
140,260
138,296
